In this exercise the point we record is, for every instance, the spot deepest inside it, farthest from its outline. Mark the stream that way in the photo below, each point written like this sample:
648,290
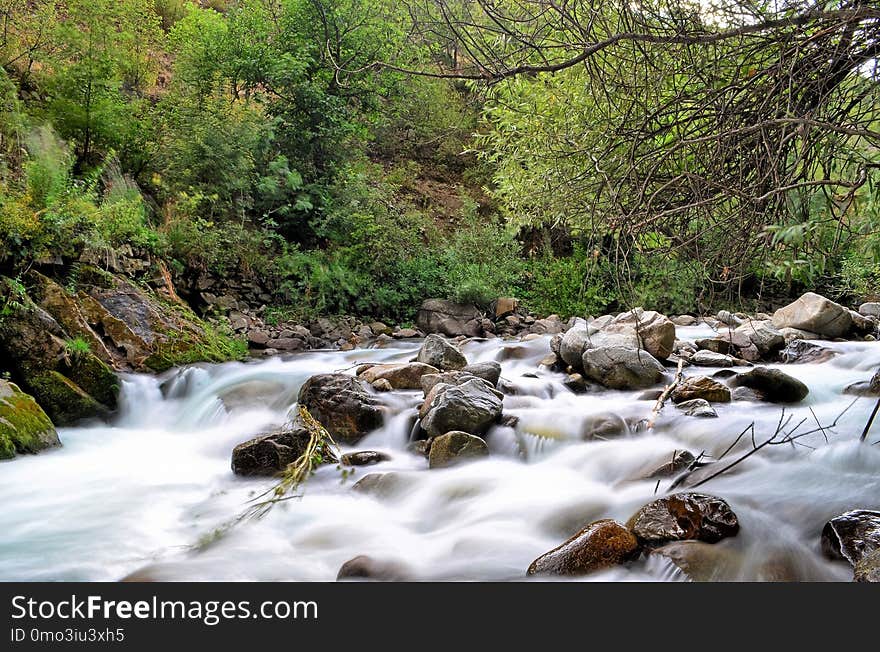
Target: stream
151,495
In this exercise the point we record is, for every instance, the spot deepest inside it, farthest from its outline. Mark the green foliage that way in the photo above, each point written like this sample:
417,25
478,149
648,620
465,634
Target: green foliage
77,347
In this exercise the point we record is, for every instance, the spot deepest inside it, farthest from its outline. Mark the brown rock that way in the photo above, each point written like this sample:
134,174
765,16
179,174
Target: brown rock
701,387
599,545
684,516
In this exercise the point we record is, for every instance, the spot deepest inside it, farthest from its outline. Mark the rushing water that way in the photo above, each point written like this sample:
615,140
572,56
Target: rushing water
152,494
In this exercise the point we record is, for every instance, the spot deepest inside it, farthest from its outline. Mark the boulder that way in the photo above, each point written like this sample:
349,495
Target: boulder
870,309
599,545
488,371
714,344
364,458
655,332
684,320
772,385
342,405
552,325
697,407
364,567
286,344
813,312
454,448
572,347
703,387
712,359
449,318
429,381
852,535
270,454
684,516
470,407
804,352
439,353
622,368
399,376
24,427
505,306
757,339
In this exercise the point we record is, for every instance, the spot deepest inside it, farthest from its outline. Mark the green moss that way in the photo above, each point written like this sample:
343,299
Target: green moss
189,348
96,379
24,427
64,400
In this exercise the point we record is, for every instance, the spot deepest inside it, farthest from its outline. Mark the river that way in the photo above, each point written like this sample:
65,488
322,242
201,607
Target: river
151,495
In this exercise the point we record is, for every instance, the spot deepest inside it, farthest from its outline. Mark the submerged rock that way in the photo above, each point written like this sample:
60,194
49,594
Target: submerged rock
364,458
852,535
599,545
342,405
439,353
454,448
813,312
364,567
772,385
24,426
678,461
697,407
603,426
684,516
697,560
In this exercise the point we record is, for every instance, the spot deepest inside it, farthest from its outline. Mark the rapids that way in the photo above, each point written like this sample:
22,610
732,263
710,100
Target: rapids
151,495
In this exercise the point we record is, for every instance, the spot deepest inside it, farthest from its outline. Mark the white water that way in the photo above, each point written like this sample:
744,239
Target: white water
145,494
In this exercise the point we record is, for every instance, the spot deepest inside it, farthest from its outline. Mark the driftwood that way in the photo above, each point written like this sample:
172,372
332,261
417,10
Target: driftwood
661,401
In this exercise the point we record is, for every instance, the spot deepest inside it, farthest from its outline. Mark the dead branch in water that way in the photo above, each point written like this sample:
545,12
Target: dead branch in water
782,435
661,401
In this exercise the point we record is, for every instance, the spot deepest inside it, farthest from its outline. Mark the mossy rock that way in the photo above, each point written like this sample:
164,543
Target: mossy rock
95,378
64,400
24,426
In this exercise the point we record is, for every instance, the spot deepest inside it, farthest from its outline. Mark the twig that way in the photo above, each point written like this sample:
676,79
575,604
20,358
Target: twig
661,401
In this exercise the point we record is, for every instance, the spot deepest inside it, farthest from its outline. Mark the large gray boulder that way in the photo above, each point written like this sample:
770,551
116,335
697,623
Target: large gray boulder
437,352
449,318
757,339
813,312
620,367
342,405
655,332
470,407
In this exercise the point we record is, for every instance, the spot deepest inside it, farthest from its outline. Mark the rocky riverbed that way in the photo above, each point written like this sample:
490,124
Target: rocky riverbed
632,446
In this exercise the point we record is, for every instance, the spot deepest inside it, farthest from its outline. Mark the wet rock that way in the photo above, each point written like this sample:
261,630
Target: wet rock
24,426
714,344
578,384
677,462
697,560
712,359
684,320
449,318
599,545
364,458
852,535
804,352
429,381
870,309
470,407
380,485
684,516
419,447
701,387
622,368
813,312
439,353
454,448
868,568
488,371
746,394
364,567
342,405
772,385
382,385
603,426
270,454
399,376
697,407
